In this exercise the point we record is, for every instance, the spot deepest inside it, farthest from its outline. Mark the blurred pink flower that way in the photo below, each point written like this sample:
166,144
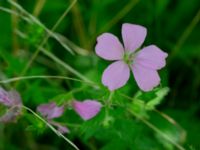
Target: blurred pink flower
51,111
144,63
87,109
62,129
12,101
10,98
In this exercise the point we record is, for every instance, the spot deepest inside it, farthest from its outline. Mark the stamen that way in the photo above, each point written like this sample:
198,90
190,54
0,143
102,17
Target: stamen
128,58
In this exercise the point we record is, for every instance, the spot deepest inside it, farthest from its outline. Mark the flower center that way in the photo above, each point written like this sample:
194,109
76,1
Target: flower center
128,58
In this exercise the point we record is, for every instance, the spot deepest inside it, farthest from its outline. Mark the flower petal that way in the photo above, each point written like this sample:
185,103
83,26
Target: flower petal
50,110
10,98
109,47
87,109
4,97
62,129
11,115
116,75
15,97
151,57
146,78
133,36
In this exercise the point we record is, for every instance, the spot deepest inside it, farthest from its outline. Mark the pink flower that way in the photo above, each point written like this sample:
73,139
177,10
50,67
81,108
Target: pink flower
10,98
144,63
62,129
12,101
51,111
87,109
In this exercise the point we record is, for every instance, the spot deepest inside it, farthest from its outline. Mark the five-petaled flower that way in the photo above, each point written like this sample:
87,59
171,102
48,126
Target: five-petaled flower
87,109
51,111
13,102
144,63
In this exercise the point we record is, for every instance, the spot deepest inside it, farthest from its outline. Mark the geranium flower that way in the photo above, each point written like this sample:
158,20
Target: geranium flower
143,63
51,111
13,102
87,109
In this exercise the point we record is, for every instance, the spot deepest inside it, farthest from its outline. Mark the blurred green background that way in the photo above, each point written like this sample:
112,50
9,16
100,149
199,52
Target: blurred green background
173,25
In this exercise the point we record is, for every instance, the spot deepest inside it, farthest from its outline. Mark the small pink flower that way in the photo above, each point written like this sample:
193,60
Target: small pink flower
62,129
51,111
12,101
144,63
10,98
87,109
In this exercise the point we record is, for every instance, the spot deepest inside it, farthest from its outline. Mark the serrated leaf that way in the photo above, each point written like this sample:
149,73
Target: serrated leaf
160,94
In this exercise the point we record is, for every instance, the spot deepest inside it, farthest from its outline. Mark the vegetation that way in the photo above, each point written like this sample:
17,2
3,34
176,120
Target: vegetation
47,54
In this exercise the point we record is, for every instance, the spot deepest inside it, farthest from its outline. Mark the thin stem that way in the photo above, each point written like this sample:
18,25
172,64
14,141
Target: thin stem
66,43
150,125
14,12
185,35
126,9
43,77
10,11
63,15
170,120
165,116
14,20
38,7
51,127
66,66
79,50
108,103
79,25
110,99
32,19
46,38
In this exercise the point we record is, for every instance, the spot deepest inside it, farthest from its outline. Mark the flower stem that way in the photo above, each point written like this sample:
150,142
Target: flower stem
51,127
45,77
154,128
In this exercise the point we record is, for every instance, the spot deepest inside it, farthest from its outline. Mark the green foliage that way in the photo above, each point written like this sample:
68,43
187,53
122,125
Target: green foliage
165,118
160,94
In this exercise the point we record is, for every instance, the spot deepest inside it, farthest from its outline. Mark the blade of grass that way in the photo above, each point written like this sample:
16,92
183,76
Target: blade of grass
46,38
150,125
35,20
13,12
66,66
184,36
157,130
65,42
126,9
38,7
75,47
172,121
168,118
14,20
79,25
44,77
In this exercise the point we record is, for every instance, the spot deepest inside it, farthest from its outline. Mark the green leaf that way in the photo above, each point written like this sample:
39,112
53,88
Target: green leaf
138,107
160,94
